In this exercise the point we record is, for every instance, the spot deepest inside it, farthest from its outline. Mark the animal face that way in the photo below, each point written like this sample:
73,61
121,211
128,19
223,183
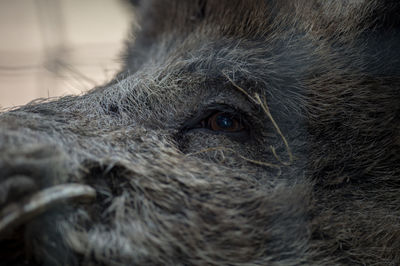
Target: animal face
237,133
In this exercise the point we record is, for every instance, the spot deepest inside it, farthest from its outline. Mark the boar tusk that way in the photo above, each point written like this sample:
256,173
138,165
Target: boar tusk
19,213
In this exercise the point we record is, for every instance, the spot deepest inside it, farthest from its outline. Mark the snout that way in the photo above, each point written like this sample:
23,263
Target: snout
30,158
35,178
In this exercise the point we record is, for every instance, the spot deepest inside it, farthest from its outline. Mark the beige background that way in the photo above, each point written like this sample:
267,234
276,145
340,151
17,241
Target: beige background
50,48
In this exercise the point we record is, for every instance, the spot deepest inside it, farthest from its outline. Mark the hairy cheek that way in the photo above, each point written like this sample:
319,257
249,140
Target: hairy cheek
219,148
199,142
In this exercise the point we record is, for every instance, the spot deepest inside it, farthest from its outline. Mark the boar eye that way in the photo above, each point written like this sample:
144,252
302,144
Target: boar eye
223,122
221,119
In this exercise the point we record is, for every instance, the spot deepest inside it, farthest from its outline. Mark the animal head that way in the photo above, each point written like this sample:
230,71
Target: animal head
237,133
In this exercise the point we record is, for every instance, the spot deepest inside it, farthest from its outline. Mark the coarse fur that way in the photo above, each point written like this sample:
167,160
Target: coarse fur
313,180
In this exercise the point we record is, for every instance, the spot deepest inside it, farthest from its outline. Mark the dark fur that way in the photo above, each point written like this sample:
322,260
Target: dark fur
322,75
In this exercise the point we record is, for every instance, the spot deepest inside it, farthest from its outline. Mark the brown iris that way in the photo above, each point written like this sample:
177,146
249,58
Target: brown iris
224,122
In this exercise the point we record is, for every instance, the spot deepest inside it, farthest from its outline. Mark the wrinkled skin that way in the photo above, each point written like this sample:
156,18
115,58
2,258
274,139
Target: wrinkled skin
312,175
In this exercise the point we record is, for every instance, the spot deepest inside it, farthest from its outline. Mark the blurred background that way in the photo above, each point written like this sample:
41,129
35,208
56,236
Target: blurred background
52,48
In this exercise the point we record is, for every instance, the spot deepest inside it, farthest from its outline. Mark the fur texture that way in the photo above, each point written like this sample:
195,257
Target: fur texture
314,179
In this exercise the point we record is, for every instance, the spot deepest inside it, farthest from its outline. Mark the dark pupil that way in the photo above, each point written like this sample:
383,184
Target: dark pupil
224,121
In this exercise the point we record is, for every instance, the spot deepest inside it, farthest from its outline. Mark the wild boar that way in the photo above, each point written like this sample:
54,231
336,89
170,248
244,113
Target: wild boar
242,132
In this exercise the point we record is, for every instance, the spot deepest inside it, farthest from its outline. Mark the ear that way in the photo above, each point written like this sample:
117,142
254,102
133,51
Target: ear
155,19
